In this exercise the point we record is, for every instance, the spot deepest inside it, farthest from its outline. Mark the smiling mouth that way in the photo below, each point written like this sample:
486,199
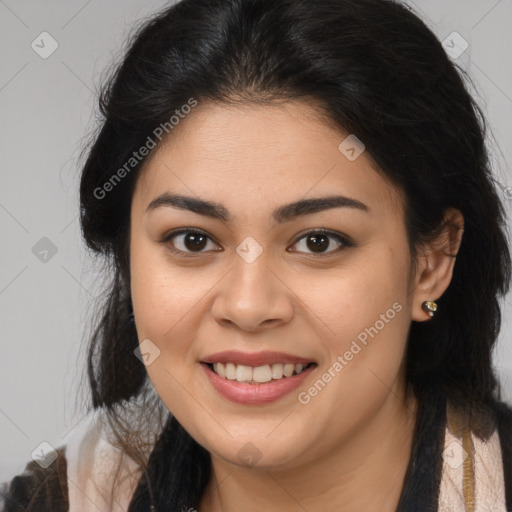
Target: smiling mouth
257,374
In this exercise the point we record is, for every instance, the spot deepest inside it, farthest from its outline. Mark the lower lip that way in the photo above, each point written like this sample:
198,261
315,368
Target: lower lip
264,393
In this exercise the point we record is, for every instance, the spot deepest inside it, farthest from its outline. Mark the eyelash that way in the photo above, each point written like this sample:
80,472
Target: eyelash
169,236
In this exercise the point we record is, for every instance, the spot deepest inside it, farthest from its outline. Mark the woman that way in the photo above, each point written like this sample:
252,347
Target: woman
307,250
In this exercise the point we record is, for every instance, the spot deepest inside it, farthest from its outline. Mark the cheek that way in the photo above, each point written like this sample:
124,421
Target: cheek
169,302
368,314
368,319
351,300
161,293
163,298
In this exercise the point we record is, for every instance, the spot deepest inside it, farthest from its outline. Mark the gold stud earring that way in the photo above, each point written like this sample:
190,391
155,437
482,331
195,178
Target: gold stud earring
430,307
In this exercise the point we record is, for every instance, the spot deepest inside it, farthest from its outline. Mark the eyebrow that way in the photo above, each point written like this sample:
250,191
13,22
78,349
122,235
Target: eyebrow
281,214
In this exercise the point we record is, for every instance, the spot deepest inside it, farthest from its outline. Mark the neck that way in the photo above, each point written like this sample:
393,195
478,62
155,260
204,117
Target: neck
365,472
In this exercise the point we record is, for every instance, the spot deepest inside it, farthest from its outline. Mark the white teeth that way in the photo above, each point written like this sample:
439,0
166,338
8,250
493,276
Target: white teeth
243,373
288,369
258,374
230,371
277,371
262,374
220,369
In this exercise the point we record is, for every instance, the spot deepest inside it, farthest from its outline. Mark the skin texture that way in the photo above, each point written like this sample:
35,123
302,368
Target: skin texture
349,447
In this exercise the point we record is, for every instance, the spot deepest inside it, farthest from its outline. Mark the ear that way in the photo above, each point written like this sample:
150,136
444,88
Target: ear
435,262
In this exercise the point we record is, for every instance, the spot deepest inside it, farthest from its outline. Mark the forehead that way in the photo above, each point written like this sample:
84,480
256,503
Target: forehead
262,154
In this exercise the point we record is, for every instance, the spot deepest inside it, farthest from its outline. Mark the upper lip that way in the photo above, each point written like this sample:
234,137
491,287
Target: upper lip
254,359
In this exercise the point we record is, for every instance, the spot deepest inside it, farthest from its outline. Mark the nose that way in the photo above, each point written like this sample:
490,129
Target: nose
253,296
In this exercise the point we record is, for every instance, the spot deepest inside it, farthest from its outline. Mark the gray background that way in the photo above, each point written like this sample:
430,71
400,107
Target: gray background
47,111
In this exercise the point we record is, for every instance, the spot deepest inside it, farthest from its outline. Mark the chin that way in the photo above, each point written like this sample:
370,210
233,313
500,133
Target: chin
257,452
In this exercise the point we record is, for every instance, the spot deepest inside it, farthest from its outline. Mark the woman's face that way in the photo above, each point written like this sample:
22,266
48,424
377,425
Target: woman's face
256,289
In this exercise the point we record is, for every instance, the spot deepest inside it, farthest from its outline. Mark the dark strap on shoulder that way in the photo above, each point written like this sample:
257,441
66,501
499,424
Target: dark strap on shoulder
504,418
38,489
420,492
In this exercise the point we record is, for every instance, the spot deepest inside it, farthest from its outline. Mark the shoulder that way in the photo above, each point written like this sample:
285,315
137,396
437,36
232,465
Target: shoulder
477,457
92,473
38,488
483,420
74,481
44,483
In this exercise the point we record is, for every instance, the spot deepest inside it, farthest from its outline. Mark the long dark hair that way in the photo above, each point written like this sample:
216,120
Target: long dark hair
371,68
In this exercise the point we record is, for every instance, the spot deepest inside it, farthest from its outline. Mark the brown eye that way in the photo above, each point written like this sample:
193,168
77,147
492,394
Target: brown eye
319,241
194,241
187,241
